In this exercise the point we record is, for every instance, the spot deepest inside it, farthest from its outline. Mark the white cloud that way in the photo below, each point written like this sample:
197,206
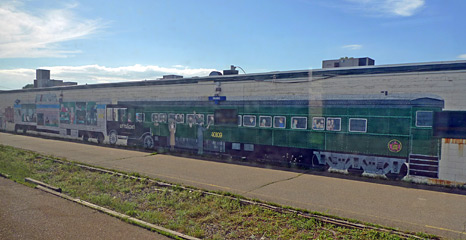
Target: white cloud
353,46
404,8
91,74
31,35
462,56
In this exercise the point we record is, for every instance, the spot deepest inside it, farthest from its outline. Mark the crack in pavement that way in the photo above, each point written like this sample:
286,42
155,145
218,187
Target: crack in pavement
118,159
124,158
278,181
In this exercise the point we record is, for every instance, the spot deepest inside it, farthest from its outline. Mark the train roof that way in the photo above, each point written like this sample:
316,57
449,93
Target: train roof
286,76
408,99
355,100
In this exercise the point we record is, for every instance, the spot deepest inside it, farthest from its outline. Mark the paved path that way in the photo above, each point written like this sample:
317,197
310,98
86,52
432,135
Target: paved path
404,208
27,213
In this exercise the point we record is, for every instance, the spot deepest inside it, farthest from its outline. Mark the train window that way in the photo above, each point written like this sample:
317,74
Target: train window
80,113
265,121
199,119
239,120
190,119
67,112
210,119
225,117
249,147
299,122
110,114
91,115
171,116
249,121
358,125
155,117
179,118
131,117
318,123
140,117
115,115
279,122
40,119
424,118
122,115
163,117
236,146
333,124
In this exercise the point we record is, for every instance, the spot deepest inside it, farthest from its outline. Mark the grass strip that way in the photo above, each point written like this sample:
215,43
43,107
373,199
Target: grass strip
180,209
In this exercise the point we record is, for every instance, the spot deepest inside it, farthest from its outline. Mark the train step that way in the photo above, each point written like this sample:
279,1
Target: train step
423,166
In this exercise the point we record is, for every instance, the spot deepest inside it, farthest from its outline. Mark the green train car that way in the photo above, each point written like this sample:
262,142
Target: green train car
384,135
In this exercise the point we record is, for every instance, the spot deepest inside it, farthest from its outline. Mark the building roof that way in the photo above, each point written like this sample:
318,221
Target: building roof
298,75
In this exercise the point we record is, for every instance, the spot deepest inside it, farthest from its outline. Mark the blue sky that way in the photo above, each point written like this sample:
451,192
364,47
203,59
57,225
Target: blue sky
113,41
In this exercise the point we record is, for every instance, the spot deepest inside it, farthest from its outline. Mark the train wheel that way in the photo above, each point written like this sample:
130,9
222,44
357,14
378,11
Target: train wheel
113,137
398,176
100,138
316,164
403,171
149,142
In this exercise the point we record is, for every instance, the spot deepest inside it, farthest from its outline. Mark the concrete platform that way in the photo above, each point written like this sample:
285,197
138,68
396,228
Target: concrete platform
27,213
410,209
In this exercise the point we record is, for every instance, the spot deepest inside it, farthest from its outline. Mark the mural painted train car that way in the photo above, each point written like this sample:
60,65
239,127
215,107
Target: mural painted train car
372,134
48,113
273,118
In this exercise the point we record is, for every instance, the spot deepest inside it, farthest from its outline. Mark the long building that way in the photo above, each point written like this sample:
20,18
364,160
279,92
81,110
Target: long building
445,80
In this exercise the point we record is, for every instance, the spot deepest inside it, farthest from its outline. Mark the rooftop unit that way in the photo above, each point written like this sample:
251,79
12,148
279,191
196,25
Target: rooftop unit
348,62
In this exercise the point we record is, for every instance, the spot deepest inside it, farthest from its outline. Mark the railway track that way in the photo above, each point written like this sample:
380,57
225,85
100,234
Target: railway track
324,219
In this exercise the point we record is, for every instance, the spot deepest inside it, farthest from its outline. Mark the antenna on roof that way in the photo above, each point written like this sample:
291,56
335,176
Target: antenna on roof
233,68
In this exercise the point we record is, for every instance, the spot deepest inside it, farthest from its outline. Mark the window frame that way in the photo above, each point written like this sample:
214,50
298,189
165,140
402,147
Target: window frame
109,114
182,118
196,117
260,117
255,120
365,126
143,117
424,112
318,129
240,122
333,118
152,117
291,126
284,122
193,118
165,118
169,116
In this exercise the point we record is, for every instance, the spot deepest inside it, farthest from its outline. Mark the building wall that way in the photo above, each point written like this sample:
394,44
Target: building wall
450,85
453,162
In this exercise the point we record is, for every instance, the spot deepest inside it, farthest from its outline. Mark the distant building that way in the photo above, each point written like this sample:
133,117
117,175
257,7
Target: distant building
348,62
43,80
